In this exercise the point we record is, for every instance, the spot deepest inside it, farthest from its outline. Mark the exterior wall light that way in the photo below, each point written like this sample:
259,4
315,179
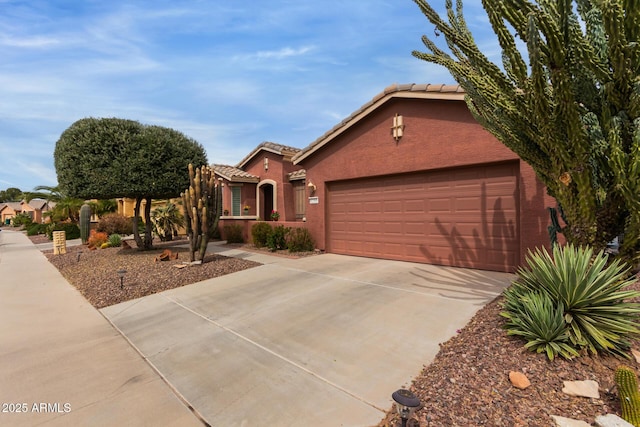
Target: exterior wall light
406,404
312,187
397,130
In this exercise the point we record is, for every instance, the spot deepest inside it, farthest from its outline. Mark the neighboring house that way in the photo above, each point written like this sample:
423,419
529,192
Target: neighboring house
34,208
265,180
412,176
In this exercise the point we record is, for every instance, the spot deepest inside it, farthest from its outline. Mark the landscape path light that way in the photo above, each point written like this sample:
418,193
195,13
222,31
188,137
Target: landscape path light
121,274
406,404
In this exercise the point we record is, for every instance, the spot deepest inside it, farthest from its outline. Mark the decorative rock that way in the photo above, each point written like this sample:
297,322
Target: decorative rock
568,422
611,420
519,380
636,354
588,388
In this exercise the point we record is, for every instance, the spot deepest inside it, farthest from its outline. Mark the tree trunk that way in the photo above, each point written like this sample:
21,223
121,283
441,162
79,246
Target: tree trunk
136,216
148,236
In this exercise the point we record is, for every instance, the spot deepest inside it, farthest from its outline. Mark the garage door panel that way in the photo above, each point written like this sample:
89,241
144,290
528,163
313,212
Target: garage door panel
464,217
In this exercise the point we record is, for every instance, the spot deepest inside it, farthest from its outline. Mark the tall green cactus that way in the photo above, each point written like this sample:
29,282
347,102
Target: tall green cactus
629,396
202,203
85,222
565,99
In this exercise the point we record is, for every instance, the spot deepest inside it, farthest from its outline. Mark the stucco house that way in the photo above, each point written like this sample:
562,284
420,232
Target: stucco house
34,208
265,180
412,176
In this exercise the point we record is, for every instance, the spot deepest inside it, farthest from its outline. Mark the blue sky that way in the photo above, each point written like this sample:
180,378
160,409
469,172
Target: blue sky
228,74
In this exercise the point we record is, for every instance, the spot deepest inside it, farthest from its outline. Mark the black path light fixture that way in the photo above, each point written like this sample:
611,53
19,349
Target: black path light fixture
406,404
121,274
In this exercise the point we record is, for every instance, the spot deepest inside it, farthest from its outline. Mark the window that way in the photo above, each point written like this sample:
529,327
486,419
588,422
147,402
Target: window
236,200
299,198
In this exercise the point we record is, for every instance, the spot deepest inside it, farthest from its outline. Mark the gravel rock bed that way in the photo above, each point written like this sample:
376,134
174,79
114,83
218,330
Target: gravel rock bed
94,273
468,382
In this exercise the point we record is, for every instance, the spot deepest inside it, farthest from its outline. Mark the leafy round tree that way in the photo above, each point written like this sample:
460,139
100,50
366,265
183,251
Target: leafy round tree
106,158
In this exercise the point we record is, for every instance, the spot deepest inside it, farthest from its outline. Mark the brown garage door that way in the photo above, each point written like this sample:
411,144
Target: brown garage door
465,217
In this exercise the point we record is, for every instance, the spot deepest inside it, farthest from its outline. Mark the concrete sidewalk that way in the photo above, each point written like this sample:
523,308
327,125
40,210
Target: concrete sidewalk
61,362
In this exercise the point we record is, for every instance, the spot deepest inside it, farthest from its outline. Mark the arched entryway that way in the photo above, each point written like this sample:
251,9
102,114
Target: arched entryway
266,196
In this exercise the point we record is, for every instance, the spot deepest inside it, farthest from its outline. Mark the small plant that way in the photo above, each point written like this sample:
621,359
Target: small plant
233,233
22,219
71,230
260,231
35,229
97,239
115,240
275,215
115,224
579,289
627,383
277,240
300,240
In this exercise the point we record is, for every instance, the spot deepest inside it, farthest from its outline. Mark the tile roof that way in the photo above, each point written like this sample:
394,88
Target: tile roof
16,206
410,90
299,174
234,174
272,147
37,204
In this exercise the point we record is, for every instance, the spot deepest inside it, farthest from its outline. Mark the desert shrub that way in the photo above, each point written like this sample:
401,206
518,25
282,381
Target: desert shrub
115,240
260,232
22,219
300,240
97,239
72,231
35,229
580,290
233,233
277,240
114,223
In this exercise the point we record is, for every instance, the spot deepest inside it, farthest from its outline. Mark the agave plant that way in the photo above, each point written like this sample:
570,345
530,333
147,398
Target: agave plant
589,296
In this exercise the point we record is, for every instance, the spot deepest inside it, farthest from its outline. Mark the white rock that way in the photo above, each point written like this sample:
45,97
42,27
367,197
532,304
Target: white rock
611,420
588,388
636,354
568,422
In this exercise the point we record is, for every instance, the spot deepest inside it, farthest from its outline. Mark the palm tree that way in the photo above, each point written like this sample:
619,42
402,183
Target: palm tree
64,207
166,221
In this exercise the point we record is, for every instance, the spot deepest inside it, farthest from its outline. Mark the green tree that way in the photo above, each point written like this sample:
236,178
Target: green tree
111,157
103,207
567,102
11,194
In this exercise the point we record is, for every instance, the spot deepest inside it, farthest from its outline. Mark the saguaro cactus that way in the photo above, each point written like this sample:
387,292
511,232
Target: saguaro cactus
629,396
202,203
85,221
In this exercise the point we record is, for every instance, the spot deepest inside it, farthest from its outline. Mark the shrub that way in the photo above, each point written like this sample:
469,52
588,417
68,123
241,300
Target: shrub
581,290
97,239
115,224
35,229
277,240
300,240
260,231
71,230
115,240
233,233
22,219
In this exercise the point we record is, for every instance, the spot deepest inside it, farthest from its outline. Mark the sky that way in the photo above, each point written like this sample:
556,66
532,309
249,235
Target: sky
229,74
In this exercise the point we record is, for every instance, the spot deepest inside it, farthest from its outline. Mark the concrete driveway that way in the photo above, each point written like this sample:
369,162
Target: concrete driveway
320,341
